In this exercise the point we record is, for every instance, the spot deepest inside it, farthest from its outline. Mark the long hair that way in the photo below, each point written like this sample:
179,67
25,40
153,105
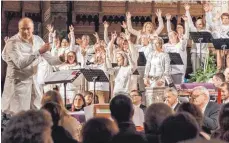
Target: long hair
144,27
75,57
126,62
84,102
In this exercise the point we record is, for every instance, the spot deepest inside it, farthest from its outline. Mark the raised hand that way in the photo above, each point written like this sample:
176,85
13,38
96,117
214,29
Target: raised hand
105,24
71,28
49,28
127,36
186,7
158,13
168,16
124,25
96,35
54,33
217,15
185,18
128,15
206,7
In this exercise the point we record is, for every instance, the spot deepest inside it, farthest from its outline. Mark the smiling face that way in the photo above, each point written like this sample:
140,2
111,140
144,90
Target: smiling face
64,43
148,28
26,28
71,58
120,59
199,24
173,37
85,40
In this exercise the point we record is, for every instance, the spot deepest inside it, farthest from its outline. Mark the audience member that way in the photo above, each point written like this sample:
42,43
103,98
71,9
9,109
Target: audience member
32,126
122,112
179,127
218,79
154,116
68,122
223,131
136,97
88,96
171,96
225,92
99,130
201,98
59,134
78,103
196,113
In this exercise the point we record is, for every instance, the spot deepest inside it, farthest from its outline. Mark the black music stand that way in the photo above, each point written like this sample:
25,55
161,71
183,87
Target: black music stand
94,75
64,76
175,59
221,44
141,59
201,37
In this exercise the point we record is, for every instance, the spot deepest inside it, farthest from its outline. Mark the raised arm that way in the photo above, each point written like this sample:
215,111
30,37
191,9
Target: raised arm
168,23
106,37
167,65
72,38
133,65
185,38
129,25
190,22
133,51
96,37
110,46
160,20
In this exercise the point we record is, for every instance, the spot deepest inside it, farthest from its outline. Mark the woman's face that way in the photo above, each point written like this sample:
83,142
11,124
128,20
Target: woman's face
64,43
148,28
85,40
78,102
157,44
88,99
199,24
120,59
119,41
71,57
144,40
100,57
173,37
180,29
125,46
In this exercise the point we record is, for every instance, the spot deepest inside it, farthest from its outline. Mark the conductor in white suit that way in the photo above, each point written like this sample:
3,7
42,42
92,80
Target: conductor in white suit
23,53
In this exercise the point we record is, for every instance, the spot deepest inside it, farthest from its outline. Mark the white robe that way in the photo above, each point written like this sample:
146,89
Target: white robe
21,90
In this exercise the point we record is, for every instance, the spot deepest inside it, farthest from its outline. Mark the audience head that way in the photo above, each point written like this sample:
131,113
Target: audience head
121,108
218,79
32,126
55,111
128,138
99,130
171,96
148,28
224,122
193,110
225,91
26,28
78,102
155,115
122,59
85,40
200,96
179,127
88,96
226,73
225,18
71,57
158,42
136,97
52,96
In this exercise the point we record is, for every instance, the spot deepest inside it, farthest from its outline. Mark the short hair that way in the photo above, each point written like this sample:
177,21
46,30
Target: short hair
178,127
220,76
98,130
225,14
27,126
193,110
202,89
87,93
225,84
136,91
155,115
121,108
172,90
25,19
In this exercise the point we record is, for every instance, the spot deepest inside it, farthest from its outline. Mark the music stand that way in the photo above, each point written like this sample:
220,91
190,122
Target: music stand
221,44
201,37
175,59
94,75
141,59
63,76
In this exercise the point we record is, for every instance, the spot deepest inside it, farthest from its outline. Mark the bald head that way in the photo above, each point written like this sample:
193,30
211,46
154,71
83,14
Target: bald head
26,28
